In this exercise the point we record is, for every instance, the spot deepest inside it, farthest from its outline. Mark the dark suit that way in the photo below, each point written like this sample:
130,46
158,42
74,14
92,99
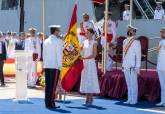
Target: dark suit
41,52
20,45
2,58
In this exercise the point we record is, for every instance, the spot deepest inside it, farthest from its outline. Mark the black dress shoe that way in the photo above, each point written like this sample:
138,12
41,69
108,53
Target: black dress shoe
3,85
52,107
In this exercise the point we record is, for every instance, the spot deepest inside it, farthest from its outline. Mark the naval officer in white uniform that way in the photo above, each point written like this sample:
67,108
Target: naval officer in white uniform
52,62
131,64
32,45
161,66
111,40
84,25
159,11
126,13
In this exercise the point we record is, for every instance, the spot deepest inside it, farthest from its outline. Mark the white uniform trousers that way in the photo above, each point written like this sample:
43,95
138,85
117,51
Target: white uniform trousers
32,73
161,74
132,84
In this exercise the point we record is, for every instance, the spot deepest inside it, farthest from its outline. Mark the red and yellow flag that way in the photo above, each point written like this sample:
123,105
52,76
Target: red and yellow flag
71,64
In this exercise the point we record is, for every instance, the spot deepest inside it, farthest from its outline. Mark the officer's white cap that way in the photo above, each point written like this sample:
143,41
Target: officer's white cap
127,5
158,2
13,32
55,26
32,29
131,27
1,33
162,29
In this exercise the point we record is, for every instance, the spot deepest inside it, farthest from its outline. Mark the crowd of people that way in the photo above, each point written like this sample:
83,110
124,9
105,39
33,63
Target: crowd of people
49,50
27,42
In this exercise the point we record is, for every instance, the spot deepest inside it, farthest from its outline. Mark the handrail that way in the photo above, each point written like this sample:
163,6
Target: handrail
152,49
149,6
141,9
152,38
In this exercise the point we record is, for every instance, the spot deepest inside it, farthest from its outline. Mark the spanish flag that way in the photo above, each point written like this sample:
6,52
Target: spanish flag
71,64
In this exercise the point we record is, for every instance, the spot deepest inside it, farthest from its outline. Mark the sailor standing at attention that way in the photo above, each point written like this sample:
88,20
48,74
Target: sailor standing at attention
126,13
131,64
159,11
111,40
11,47
161,67
84,25
32,45
52,62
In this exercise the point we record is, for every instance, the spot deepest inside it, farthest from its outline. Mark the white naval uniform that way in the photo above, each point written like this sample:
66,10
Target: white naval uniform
52,60
161,69
86,25
32,45
126,15
11,48
159,14
111,30
131,63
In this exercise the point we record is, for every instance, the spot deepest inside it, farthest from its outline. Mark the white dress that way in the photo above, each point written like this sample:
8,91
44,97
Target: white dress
89,78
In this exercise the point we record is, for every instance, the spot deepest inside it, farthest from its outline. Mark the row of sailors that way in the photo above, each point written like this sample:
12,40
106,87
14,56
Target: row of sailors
13,43
32,44
159,13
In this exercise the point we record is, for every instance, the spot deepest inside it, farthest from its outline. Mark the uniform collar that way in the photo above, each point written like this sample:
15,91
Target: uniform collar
131,37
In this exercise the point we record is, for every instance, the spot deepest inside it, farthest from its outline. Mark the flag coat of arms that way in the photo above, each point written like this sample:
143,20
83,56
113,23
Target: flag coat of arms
71,64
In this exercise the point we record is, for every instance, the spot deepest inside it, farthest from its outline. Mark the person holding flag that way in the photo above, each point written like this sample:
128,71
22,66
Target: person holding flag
89,79
52,62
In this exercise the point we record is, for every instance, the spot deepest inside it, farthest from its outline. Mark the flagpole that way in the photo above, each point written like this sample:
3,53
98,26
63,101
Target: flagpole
43,16
131,12
105,47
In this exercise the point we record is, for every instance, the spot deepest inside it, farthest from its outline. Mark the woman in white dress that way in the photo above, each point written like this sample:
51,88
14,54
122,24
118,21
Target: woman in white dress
89,79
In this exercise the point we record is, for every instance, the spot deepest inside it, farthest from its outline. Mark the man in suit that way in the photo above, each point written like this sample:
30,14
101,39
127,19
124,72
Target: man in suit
2,58
20,44
52,61
41,37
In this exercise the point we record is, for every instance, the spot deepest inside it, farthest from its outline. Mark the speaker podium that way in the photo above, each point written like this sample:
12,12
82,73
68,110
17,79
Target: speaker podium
21,62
